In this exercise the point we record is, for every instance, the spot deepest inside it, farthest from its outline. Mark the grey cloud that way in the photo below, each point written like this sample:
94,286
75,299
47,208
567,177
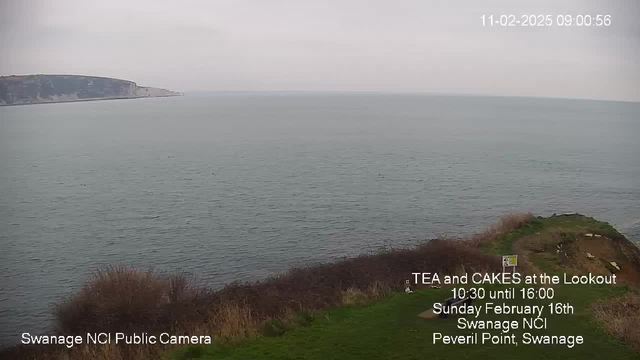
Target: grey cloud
342,45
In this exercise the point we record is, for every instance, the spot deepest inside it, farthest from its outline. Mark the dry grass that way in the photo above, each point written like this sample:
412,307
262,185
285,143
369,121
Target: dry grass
511,222
550,241
378,290
124,299
232,322
507,223
353,296
620,316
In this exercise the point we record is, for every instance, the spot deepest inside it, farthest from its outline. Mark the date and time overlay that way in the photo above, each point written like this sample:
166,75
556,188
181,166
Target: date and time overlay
546,20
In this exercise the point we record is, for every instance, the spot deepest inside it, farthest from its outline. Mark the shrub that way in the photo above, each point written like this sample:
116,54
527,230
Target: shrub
123,299
619,316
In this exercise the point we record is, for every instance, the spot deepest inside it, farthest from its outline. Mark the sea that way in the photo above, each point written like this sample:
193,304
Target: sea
240,186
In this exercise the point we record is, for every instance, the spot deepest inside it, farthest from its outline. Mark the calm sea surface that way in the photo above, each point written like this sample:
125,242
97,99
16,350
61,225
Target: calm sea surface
239,186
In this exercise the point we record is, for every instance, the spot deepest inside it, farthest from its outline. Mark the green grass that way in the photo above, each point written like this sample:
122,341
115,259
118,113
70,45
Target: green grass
569,223
580,223
505,241
390,328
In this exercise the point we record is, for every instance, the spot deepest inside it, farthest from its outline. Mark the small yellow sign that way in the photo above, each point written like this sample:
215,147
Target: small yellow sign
509,260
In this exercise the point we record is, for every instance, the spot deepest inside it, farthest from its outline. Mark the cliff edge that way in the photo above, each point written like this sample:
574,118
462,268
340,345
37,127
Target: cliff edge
37,89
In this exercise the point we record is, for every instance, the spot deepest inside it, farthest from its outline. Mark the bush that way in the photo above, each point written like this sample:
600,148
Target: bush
123,299
620,316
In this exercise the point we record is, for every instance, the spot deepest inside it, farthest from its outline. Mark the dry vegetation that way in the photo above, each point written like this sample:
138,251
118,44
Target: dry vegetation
123,299
620,316
507,223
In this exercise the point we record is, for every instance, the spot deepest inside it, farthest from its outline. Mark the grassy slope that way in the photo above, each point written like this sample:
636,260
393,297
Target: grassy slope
390,329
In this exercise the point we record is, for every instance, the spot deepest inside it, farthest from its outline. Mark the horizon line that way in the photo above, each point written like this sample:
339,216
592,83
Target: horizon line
372,92
384,92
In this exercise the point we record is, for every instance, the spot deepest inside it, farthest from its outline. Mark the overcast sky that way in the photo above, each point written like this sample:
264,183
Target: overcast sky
328,45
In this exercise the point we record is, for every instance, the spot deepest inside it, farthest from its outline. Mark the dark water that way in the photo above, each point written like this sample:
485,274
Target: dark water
235,187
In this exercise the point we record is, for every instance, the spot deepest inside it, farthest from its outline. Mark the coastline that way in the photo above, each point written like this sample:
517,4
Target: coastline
248,313
91,99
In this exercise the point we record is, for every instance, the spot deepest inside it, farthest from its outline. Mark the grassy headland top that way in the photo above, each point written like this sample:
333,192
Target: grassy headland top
357,308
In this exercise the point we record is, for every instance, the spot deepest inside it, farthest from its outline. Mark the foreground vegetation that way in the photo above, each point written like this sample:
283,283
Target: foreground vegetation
605,316
390,329
353,308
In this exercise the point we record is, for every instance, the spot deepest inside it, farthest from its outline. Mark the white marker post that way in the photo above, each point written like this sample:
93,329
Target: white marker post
509,261
407,287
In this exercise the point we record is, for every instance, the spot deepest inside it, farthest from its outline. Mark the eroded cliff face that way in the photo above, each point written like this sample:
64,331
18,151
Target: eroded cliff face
35,89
